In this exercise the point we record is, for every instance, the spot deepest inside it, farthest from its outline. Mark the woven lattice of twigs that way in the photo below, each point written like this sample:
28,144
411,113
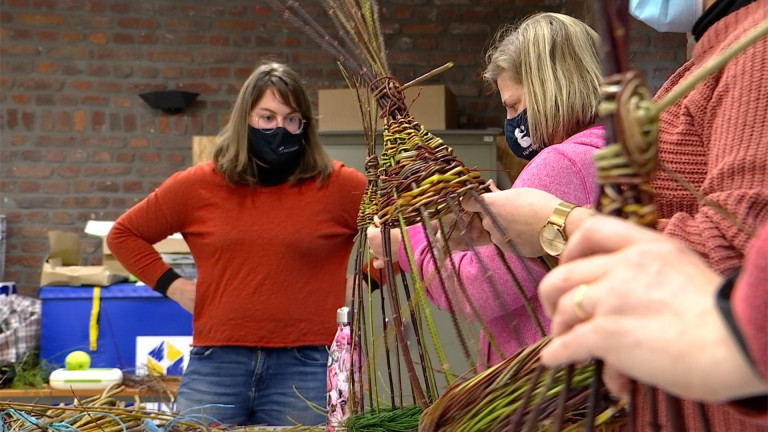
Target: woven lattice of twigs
627,166
520,394
418,170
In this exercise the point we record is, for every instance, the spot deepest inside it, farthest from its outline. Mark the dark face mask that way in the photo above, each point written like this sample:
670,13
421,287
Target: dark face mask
519,136
279,153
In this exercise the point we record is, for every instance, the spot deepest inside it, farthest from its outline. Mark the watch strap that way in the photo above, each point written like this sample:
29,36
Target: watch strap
560,213
556,224
724,306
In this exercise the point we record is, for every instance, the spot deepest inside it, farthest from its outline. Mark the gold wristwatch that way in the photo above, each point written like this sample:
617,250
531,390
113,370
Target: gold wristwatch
552,235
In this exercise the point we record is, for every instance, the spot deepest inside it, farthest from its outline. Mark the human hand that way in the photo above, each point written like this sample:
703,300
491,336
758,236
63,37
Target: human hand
520,212
182,291
456,231
376,243
349,290
648,310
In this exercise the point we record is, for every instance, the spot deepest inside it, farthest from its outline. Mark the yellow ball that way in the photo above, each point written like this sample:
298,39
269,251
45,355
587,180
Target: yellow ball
77,360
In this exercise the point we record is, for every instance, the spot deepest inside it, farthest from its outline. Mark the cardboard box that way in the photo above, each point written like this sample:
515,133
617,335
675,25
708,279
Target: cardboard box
510,164
202,148
105,323
62,265
433,106
173,244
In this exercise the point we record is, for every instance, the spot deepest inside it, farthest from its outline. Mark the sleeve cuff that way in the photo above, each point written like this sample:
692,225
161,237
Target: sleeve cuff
165,281
724,306
755,408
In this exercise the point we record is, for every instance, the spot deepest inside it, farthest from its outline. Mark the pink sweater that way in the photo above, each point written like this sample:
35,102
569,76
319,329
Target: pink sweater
565,170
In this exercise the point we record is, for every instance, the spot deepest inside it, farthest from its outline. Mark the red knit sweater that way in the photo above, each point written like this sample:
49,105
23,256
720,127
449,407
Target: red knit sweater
716,138
271,261
749,301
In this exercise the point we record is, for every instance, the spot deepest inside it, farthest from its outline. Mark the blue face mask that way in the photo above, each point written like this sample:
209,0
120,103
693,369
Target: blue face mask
519,136
677,16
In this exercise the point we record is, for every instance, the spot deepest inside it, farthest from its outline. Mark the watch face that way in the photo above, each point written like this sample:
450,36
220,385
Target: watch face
552,239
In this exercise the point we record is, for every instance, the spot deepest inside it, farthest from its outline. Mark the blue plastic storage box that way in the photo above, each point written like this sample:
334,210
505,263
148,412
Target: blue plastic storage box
125,311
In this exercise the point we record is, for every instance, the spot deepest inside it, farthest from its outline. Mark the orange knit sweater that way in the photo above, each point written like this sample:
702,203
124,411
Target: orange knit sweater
749,301
271,261
716,138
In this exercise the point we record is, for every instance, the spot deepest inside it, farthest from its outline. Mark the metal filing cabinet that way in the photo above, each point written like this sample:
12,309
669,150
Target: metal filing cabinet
475,148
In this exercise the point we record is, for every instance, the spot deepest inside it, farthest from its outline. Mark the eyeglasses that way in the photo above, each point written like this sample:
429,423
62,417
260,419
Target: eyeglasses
293,123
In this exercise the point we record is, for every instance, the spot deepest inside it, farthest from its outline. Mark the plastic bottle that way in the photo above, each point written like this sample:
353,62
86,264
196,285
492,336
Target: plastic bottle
339,373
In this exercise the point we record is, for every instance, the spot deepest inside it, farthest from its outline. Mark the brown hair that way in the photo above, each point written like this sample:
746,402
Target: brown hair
230,155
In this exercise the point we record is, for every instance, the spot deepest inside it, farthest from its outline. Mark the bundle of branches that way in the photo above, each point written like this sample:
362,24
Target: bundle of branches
385,420
359,49
414,180
98,413
105,413
520,394
419,173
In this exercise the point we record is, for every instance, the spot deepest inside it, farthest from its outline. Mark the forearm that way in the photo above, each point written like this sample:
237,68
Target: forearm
720,232
135,253
478,284
575,220
133,235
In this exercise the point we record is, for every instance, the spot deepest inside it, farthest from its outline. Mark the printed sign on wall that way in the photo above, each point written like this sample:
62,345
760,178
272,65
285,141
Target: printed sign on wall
162,355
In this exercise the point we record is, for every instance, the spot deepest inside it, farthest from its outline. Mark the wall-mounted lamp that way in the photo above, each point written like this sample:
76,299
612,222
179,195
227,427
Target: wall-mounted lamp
169,101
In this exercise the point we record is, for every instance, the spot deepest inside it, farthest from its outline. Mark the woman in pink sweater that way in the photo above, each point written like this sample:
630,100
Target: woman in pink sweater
547,72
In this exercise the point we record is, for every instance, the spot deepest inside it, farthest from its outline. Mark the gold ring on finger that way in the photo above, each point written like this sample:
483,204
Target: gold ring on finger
578,301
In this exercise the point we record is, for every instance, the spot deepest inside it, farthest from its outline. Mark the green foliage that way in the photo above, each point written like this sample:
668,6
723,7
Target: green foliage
31,372
404,419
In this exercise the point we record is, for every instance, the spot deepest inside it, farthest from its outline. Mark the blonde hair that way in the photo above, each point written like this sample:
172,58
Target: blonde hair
555,58
230,154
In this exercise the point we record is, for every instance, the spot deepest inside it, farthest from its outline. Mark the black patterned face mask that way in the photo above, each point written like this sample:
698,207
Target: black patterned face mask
518,136
279,153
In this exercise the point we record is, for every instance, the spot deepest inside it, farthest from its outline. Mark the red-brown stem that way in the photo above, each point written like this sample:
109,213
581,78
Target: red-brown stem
398,322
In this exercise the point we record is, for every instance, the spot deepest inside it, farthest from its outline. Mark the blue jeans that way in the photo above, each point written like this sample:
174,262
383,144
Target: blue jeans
260,385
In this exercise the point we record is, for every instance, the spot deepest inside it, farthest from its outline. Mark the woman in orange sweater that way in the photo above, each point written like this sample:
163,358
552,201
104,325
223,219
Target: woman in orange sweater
268,283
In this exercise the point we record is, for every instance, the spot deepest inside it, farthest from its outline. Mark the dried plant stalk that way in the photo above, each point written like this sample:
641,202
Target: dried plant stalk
518,390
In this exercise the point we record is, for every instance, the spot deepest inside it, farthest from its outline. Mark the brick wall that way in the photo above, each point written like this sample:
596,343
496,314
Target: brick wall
77,143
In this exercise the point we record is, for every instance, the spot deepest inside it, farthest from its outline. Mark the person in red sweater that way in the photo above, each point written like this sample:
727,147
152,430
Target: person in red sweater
645,301
712,139
268,282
